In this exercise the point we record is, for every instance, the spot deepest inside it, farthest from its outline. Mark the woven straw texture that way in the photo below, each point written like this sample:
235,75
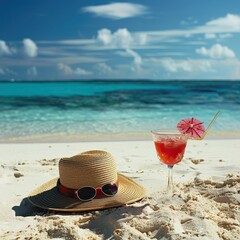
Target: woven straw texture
92,168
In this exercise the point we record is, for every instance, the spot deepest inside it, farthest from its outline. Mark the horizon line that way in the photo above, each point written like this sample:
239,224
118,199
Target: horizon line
114,79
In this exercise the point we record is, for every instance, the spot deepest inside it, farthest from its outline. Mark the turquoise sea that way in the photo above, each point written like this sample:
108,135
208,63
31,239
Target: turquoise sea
89,110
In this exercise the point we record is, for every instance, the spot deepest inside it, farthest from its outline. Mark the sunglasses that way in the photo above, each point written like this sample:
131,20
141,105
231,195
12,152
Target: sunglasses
89,193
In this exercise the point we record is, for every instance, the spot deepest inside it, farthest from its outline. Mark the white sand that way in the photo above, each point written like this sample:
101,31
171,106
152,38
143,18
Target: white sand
206,204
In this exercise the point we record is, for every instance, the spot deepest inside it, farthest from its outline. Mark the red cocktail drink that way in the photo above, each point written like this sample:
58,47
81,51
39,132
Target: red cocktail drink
170,151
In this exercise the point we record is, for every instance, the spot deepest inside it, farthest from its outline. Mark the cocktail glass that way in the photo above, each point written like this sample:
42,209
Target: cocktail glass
170,147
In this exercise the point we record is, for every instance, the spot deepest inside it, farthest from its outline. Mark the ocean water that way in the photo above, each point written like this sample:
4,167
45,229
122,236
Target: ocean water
86,110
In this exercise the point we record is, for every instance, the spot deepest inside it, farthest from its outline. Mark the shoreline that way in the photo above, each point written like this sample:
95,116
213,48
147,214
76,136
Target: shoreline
113,137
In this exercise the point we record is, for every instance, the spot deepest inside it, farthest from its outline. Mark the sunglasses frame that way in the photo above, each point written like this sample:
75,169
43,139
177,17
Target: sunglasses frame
96,191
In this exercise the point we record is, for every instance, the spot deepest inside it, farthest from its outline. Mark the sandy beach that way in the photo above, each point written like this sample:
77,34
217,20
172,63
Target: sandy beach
206,204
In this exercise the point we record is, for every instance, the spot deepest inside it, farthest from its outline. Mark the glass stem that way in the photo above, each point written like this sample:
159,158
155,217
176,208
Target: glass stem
170,180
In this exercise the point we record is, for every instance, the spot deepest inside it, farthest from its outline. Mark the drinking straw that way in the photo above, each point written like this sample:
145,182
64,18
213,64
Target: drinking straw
209,126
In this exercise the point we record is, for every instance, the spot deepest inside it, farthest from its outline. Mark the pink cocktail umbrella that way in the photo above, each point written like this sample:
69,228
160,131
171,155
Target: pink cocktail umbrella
191,127
195,128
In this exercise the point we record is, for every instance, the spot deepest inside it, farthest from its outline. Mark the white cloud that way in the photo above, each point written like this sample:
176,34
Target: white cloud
137,58
225,35
80,71
67,70
4,49
172,65
30,47
32,72
200,68
210,35
70,42
104,68
122,38
105,36
117,10
229,23
216,51
141,38
220,35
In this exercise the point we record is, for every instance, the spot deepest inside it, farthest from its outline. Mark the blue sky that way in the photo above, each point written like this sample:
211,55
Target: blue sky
93,39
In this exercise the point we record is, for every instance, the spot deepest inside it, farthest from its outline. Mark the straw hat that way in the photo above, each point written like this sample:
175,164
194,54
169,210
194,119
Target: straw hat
92,168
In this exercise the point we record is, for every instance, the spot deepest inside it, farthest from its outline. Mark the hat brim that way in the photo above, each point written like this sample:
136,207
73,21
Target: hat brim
48,197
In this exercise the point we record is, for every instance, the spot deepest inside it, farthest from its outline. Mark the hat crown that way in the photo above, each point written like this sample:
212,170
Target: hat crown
92,168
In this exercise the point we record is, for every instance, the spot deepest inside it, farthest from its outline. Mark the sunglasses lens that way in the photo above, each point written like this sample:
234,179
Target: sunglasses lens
110,189
86,193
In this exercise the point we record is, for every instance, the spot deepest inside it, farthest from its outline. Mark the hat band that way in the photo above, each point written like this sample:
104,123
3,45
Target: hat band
88,193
